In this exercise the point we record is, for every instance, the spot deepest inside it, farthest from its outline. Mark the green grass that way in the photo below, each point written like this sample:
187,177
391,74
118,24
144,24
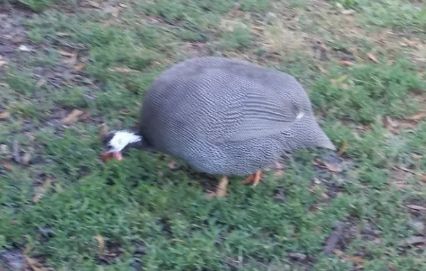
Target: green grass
393,13
237,39
152,217
34,5
364,92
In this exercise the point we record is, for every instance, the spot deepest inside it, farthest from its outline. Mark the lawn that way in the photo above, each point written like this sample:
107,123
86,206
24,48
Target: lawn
72,69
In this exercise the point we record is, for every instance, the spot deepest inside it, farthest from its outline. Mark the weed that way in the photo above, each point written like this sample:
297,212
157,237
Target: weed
368,91
21,82
255,5
239,38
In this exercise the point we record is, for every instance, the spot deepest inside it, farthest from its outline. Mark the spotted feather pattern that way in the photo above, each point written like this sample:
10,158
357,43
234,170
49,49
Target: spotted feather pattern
229,117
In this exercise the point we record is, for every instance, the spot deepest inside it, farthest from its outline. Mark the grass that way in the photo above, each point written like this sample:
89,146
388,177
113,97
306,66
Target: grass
394,13
366,91
69,211
34,5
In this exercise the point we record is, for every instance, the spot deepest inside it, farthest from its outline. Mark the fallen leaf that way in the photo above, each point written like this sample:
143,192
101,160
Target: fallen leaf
103,130
114,11
26,158
125,112
93,4
279,173
414,240
84,116
71,57
405,169
321,69
101,244
4,150
16,149
348,11
398,178
63,34
410,43
121,69
416,156
65,53
416,207
372,57
320,48
72,117
172,165
358,260
333,167
41,82
417,117
79,67
72,60
340,82
17,38
42,189
4,115
338,252
335,237
297,256
389,123
34,265
346,63
7,166
110,252
417,225
343,148
396,125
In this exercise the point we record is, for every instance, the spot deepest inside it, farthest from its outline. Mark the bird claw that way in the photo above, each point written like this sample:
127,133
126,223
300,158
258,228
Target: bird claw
253,179
221,189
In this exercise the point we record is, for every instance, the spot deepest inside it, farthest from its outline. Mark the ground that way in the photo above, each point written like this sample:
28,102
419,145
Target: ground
70,69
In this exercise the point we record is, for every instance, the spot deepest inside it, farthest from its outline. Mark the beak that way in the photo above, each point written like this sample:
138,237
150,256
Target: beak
108,155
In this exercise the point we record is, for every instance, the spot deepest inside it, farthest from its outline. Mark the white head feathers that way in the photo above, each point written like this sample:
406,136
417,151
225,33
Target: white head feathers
121,139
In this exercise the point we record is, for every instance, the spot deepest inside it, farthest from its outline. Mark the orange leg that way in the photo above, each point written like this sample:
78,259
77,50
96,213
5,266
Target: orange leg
254,179
221,189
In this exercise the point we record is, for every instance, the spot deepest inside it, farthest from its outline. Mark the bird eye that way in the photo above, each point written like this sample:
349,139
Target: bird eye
107,138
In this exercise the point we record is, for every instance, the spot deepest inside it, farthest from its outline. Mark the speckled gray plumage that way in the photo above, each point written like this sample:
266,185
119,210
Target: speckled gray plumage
228,117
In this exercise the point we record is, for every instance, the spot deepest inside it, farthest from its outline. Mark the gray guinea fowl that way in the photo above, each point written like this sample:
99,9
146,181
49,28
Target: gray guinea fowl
224,117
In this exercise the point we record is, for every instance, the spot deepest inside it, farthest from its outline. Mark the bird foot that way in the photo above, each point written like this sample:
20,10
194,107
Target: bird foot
221,189
253,179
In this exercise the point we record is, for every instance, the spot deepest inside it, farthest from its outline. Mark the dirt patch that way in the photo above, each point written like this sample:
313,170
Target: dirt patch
195,49
13,37
16,260
109,252
16,48
12,260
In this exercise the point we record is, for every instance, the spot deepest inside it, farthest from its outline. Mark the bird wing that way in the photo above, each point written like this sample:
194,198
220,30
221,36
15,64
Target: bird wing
256,113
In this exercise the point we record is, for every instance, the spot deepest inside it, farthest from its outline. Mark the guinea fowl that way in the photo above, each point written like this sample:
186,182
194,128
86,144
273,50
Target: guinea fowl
224,117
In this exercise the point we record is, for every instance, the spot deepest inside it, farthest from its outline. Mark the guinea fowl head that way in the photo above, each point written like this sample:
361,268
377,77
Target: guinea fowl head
115,142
